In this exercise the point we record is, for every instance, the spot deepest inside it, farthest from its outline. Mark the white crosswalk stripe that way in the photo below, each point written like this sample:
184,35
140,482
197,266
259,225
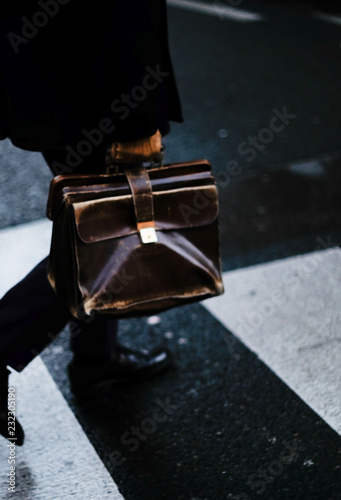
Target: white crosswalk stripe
219,9
328,18
21,248
288,313
57,460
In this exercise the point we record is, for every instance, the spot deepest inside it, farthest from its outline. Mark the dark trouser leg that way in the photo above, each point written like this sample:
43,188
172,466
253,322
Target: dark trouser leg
95,337
31,315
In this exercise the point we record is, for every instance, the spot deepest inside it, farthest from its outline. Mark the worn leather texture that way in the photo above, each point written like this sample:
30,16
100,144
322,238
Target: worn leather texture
98,261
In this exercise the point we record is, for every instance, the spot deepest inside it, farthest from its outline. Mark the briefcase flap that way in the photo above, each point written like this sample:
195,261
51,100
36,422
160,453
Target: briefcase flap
114,217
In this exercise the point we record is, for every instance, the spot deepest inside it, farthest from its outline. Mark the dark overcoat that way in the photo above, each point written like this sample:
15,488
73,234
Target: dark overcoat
71,68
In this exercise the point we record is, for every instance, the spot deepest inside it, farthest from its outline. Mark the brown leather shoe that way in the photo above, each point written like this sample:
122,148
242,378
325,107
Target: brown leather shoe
88,381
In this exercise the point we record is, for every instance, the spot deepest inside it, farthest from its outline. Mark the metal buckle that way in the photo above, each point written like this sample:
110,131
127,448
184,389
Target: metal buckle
147,234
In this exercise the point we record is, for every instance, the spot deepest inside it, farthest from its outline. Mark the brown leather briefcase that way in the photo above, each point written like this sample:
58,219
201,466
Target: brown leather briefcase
135,242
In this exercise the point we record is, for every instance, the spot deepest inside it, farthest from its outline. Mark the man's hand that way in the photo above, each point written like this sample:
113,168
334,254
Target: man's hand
139,151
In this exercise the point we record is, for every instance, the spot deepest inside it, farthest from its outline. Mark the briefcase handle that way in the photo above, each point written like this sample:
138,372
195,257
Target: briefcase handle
114,167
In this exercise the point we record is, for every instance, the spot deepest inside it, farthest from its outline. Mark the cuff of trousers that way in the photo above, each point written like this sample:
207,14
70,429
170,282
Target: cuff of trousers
142,150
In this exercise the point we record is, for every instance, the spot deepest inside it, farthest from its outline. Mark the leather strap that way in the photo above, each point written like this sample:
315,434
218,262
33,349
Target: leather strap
142,192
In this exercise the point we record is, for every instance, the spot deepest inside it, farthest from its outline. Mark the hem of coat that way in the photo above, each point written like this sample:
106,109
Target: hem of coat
39,147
